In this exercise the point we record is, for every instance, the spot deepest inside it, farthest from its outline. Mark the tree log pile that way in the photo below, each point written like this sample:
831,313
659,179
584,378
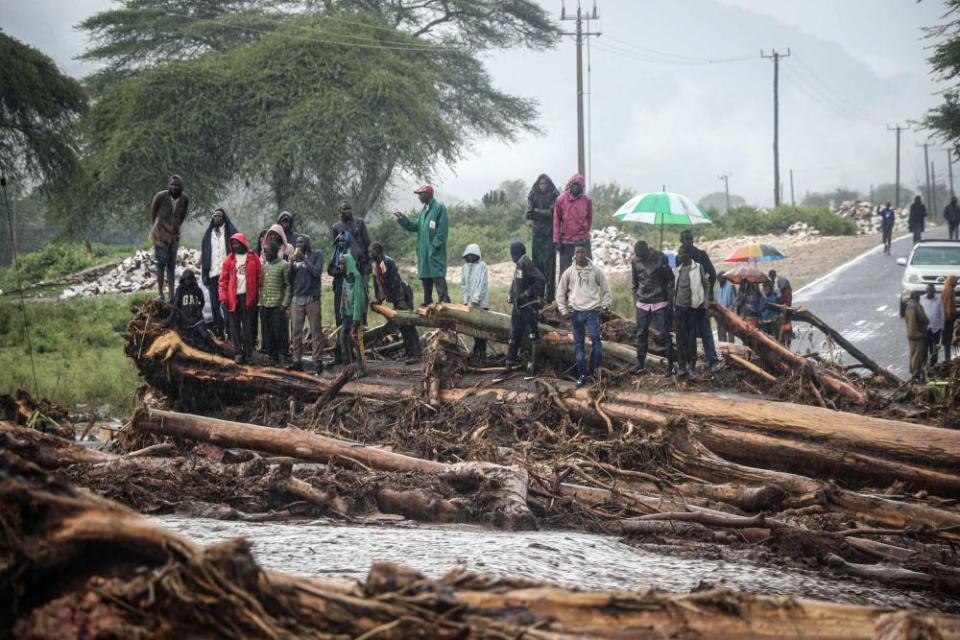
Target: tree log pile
79,566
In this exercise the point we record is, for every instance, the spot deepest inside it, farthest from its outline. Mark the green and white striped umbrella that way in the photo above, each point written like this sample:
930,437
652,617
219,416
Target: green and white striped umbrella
662,208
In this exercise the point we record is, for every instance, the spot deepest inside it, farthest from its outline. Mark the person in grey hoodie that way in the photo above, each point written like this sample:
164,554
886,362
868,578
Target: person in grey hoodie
583,291
474,287
304,275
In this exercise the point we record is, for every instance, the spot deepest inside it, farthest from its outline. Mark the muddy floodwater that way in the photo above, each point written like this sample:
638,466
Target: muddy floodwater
586,561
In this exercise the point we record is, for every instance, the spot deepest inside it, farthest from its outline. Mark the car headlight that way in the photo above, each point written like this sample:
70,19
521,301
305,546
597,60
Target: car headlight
913,278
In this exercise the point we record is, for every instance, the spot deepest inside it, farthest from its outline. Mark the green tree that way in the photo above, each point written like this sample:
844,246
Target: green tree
945,61
38,107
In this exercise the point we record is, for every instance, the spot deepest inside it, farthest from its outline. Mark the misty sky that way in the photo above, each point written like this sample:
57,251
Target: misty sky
660,116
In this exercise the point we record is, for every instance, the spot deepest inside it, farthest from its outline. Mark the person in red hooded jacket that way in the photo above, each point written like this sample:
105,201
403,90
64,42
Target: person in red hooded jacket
572,219
239,292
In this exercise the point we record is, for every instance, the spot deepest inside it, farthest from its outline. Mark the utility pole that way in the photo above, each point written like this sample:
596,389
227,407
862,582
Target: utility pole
579,34
793,201
950,170
933,193
726,189
871,194
775,56
898,129
926,168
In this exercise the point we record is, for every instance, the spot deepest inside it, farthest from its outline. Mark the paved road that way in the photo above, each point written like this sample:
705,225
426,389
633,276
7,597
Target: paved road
861,300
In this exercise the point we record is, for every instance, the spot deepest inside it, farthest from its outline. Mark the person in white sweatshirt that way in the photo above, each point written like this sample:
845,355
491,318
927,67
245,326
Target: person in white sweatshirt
583,291
933,307
474,287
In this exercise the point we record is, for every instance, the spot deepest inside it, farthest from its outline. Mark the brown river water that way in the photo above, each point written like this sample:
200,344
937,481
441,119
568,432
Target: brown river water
329,551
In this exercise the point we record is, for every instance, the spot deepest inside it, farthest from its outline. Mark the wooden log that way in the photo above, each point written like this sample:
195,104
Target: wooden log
48,451
749,366
780,357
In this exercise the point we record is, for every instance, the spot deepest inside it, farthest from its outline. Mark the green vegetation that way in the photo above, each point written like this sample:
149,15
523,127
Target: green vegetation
78,349
59,259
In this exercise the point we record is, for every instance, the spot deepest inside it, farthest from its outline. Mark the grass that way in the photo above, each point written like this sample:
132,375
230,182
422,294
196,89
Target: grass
78,350
59,259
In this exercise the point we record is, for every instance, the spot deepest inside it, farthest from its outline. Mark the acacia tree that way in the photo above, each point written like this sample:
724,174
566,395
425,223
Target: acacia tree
945,60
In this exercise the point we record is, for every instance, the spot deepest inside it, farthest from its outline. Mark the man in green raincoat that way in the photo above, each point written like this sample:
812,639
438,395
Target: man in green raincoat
353,305
431,227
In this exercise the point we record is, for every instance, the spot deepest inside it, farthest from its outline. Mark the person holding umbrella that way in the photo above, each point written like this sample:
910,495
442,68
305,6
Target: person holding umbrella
706,331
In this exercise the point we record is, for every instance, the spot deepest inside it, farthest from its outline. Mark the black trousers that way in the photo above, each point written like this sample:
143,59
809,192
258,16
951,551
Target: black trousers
411,339
440,283
687,322
215,307
349,347
660,321
274,328
243,327
953,229
524,321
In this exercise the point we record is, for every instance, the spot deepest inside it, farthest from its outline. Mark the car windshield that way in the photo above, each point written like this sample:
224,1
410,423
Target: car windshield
936,256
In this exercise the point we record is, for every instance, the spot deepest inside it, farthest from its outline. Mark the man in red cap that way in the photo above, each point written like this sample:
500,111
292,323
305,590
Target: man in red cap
431,227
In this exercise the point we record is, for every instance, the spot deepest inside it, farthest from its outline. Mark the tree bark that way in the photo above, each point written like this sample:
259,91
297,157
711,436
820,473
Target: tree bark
50,452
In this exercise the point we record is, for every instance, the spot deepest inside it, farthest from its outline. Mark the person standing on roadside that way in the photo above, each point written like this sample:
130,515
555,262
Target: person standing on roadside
431,226
168,210
917,323
652,296
213,251
948,299
526,296
951,213
933,309
540,203
239,286
916,219
727,298
305,277
572,220
887,220
582,293
700,257
690,304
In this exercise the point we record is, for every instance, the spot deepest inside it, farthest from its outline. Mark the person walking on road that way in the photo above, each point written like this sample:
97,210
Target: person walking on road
305,276
951,213
887,220
652,296
389,286
431,226
582,293
917,323
572,220
700,257
948,299
168,210
690,304
239,286
540,204
727,298
213,251
933,308
526,296
916,220
475,289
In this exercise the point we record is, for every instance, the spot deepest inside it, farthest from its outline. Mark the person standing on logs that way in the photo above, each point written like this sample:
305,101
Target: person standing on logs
582,293
168,210
286,220
341,247
305,277
887,220
213,251
690,306
389,286
540,202
948,299
652,297
526,295
917,323
359,238
951,213
187,313
933,309
352,310
572,219
784,291
727,298
431,227
704,329
915,222
474,287
275,297
239,286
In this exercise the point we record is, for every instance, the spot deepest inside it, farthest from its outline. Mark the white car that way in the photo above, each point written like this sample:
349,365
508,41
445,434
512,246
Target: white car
930,262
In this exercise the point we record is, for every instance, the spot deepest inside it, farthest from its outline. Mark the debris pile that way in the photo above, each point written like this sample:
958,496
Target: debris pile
864,215
801,229
612,248
134,273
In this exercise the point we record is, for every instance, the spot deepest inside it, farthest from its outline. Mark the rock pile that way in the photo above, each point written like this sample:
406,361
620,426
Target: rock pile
612,249
864,215
802,229
134,273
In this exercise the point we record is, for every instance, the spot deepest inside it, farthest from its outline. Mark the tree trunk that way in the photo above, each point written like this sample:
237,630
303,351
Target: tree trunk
50,452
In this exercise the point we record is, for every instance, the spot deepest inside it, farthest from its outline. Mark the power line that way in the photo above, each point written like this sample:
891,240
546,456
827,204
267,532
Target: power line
636,55
838,97
804,85
677,58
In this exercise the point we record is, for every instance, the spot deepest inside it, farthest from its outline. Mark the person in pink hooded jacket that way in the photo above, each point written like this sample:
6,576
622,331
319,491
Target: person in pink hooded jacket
572,219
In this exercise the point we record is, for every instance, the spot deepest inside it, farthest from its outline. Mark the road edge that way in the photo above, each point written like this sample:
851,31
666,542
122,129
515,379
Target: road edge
846,265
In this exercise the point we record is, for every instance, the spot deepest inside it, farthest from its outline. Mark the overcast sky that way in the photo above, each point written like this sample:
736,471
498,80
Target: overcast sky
660,116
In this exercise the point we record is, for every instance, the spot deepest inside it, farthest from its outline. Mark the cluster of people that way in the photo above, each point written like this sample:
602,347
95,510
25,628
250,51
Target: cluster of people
274,288
930,320
916,221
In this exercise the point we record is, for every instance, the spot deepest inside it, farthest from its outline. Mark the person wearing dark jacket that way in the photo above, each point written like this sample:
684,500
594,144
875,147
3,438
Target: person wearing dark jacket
286,220
917,323
653,299
341,247
306,271
916,219
888,218
213,251
540,203
704,329
359,238
951,214
388,286
526,296
239,289
168,210
353,308
187,313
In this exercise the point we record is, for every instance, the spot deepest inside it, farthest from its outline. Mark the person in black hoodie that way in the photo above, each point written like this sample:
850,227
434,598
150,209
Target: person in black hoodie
526,296
286,220
653,299
187,313
389,286
540,203
304,275
214,249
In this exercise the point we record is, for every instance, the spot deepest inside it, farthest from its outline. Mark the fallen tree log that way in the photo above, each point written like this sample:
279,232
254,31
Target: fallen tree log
781,358
48,451
60,582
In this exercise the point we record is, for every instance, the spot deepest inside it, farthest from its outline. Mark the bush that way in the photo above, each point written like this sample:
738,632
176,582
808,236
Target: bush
59,259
